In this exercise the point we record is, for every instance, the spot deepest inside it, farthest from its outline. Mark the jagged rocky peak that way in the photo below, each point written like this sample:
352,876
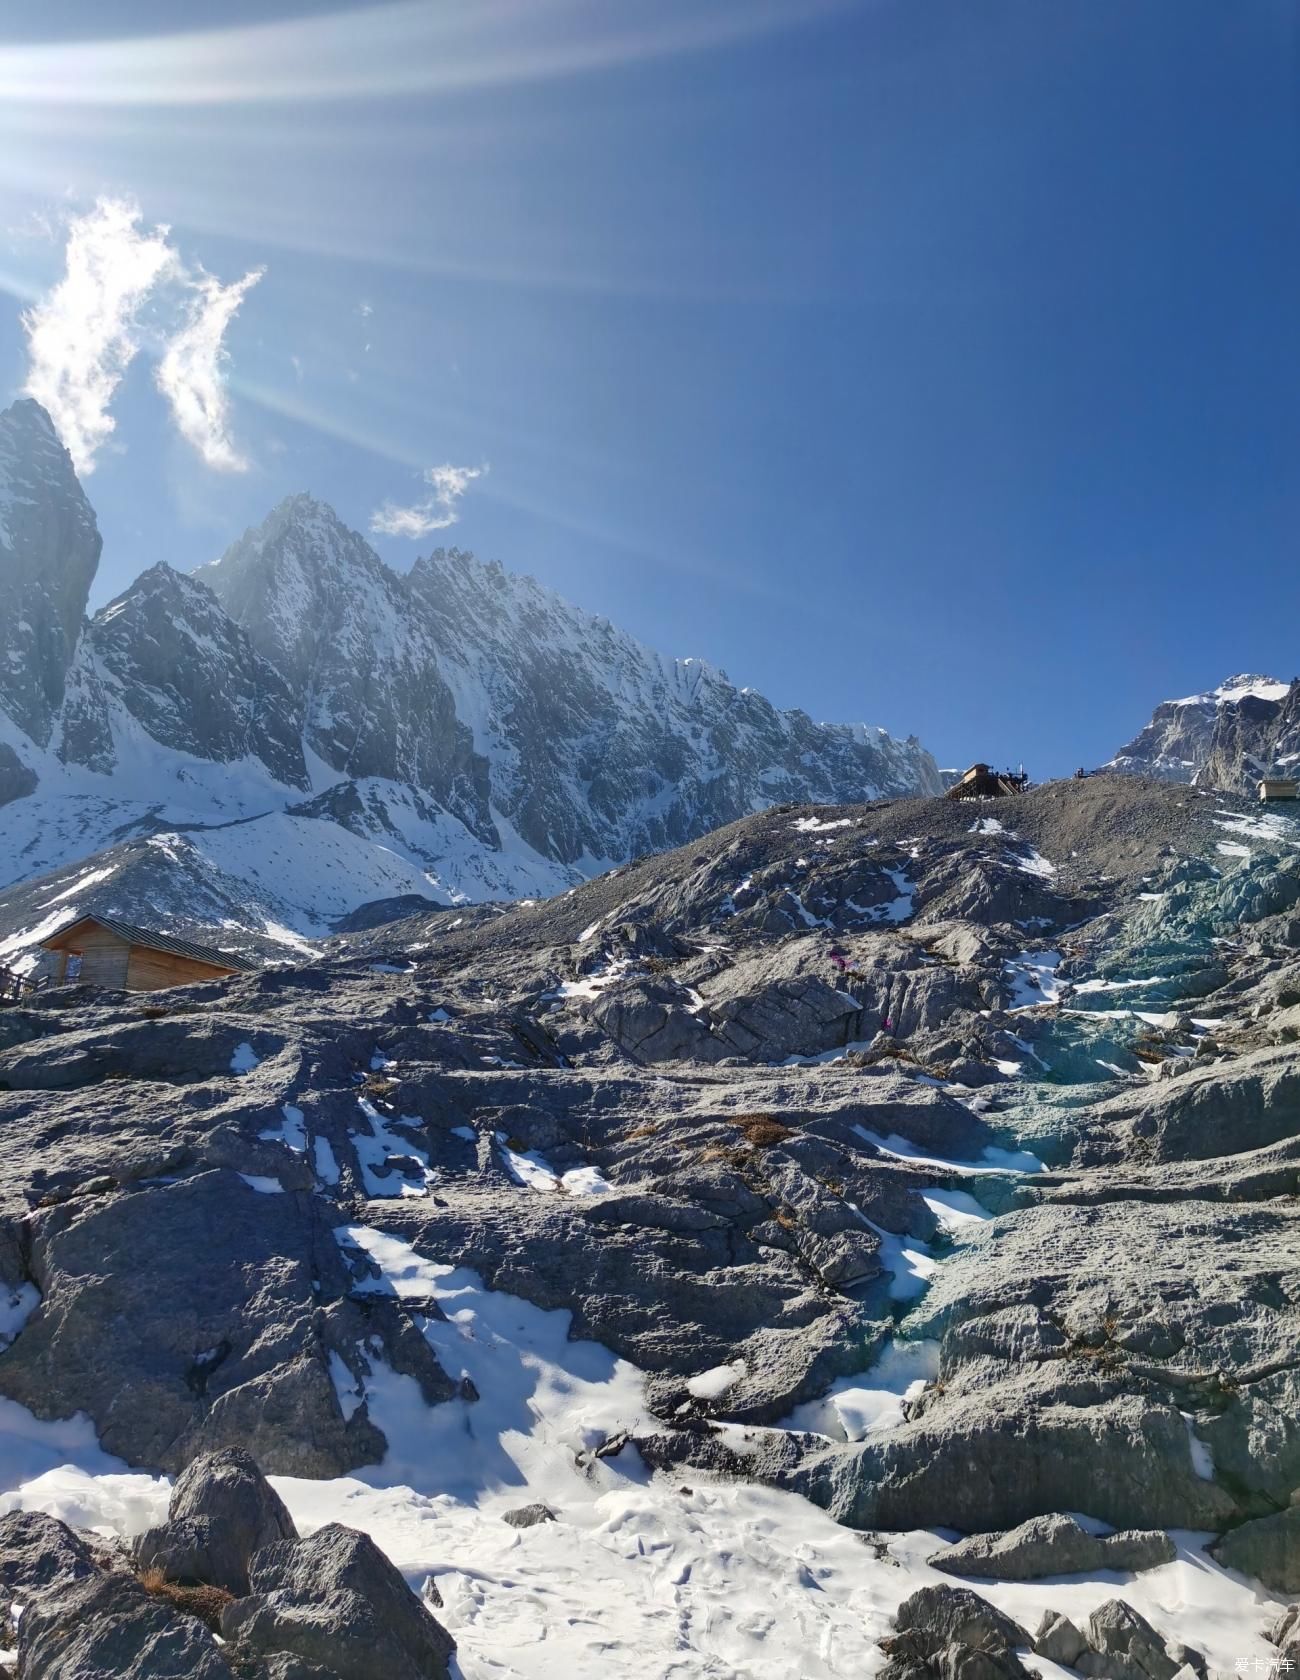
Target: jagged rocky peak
320,605
1225,737
293,582
168,653
49,549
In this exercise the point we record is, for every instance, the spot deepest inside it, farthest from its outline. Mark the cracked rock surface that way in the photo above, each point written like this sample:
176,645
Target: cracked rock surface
1013,1085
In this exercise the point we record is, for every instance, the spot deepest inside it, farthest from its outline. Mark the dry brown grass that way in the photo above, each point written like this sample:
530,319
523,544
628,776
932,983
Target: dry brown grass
760,1131
724,1152
205,1604
649,1129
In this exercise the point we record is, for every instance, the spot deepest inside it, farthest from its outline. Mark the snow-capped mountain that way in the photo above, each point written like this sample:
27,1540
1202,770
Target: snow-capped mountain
296,729
1226,738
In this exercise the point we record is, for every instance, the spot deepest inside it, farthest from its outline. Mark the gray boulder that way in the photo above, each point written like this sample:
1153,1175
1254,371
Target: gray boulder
1124,1646
108,1628
1267,1548
334,1599
956,1615
528,1516
1054,1545
222,1510
39,1552
1285,1633
1059,1640
950,1633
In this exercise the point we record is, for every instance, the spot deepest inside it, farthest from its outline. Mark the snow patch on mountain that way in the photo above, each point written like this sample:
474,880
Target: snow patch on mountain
1227,737
296,729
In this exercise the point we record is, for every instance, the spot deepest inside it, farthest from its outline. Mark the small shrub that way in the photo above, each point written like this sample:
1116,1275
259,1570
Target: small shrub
760,1131
204,1603
724,1152
649,1129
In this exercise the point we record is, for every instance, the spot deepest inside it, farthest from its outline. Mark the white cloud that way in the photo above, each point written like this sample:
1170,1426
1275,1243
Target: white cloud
82,337
432,513
84,334
191,373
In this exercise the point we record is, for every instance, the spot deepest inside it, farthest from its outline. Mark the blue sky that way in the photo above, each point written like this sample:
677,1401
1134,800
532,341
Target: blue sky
924,364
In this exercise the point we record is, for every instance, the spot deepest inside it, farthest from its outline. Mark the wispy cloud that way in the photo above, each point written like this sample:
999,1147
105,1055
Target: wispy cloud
431,513
191,373
83,336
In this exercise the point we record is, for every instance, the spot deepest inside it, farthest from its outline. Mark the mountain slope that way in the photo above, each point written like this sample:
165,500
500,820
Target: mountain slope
325,732
729,1223
1225,738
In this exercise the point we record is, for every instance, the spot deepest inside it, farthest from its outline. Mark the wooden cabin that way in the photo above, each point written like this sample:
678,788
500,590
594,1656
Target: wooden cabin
1279,787
982,781
102,951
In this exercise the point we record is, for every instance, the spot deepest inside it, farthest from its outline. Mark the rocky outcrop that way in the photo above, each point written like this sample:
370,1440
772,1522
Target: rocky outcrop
970,1273
1228,737
222,1511
951,1633
1267,1548
247,1363
335,1599
167,655
49,550
1053,1545
329,1608
109,1628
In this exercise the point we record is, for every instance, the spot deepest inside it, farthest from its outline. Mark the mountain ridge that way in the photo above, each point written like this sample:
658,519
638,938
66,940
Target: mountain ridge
1227,737
473,734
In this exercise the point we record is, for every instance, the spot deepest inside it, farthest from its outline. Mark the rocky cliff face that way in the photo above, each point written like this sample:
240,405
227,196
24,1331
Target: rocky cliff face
1226,738
166,655
49,549
320,606
600,747
1256,737
493,694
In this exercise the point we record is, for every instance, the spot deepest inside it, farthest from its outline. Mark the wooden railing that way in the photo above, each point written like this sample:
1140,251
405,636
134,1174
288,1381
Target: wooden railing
14,987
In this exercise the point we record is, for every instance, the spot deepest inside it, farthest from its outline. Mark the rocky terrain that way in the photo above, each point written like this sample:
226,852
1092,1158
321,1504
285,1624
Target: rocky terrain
779,1233
296,729
1228,737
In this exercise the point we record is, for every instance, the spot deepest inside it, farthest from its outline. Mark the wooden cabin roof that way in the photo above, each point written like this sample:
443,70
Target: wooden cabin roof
152,941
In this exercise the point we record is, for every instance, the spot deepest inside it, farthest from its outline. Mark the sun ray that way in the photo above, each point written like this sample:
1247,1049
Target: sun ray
407,46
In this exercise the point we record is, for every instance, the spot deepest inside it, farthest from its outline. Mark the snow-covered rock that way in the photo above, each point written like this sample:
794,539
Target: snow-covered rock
1227,737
